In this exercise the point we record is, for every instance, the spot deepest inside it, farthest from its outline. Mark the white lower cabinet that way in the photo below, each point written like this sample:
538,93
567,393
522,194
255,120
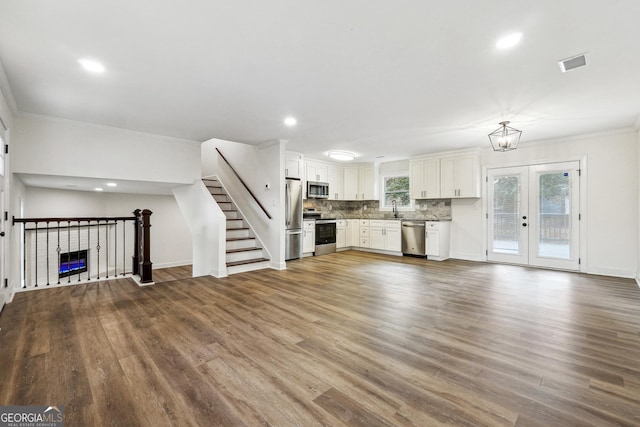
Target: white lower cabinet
308,237
365,231
385,235
438,235
353,232
341,234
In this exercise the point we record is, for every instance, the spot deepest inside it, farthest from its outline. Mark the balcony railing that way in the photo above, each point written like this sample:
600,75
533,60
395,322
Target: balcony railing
553,227
57,251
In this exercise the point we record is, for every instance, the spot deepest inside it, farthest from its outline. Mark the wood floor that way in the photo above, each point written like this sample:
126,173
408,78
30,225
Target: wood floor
351,338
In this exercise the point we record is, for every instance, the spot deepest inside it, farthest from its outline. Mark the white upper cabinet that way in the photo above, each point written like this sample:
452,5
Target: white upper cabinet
351,183
293,165
359,183
459,176
336,182
317,171
366,182
424,178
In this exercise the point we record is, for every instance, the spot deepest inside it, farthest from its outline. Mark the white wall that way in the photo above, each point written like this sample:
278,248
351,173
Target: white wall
170,237
611,214
207,224
49,146
258,166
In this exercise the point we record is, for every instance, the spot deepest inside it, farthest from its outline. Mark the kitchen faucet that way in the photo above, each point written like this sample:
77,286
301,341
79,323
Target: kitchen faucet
394,208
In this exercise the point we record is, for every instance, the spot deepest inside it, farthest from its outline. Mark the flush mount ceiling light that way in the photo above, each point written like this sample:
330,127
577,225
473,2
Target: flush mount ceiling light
290,121
98,189
91,65
111,184
505,138
343,156
509,40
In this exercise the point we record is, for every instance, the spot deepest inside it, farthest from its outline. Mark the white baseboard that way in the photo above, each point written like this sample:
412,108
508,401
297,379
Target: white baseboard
219,274
278,265
467,256
614,272
171,264
377,251
638,281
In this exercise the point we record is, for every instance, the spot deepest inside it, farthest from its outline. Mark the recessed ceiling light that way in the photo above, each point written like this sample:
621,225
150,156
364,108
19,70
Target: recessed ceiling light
290,121
91,65
344,156
111,184
98,189
509,41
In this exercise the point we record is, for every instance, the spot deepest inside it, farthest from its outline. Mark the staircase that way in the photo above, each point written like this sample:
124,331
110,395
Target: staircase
243,252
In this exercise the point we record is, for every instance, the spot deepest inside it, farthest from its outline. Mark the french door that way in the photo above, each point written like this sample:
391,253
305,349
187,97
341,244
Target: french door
533,216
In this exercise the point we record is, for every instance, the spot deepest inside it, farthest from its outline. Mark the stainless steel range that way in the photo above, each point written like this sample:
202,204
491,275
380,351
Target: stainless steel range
325,233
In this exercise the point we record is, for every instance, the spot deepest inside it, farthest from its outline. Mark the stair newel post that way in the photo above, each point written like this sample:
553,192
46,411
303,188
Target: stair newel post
145,247
135,259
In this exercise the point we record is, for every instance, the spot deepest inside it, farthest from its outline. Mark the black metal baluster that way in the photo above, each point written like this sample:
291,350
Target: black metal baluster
58,249
106,232
98,249
79,269
89,250
35,258
68,251
24,255
47,253
124,250
115,248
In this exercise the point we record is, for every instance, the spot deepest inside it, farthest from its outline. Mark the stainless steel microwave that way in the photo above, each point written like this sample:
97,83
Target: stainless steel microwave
317,190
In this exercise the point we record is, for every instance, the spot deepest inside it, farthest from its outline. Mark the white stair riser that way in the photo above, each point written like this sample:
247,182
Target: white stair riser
220,198
244,255
236,223
225,206
232,214
241,244
248,267
234,234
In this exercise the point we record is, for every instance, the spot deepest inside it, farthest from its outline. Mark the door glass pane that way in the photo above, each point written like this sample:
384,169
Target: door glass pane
506,203
554,216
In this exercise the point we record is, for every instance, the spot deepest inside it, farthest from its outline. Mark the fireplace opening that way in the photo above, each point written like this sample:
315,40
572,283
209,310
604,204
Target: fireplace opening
72,263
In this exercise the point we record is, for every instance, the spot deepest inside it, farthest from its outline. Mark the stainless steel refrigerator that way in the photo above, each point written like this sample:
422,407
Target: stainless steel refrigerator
293,218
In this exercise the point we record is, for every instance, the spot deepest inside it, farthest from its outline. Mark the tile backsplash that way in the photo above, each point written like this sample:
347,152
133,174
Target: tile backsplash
430,210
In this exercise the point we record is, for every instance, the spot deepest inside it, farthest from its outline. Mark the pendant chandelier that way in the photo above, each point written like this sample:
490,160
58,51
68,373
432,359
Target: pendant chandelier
505,138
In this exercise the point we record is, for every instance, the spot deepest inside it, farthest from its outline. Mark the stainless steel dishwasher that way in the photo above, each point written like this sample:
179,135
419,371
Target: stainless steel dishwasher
413,238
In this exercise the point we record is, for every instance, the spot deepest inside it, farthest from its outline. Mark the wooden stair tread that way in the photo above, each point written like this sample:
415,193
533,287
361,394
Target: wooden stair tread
233,251
235,239
247,261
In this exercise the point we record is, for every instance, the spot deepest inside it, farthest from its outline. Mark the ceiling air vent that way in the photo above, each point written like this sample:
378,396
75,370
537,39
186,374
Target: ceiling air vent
573,62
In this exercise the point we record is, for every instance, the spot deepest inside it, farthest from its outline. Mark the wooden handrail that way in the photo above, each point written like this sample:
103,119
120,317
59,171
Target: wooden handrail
75,219
245,185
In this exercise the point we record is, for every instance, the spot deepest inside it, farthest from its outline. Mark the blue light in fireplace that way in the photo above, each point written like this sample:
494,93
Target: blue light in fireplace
72,263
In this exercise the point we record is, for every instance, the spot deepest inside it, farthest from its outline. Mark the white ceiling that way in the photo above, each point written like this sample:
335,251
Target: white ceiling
378,77
90,184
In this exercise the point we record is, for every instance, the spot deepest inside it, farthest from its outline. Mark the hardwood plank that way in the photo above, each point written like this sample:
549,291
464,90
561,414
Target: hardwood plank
351,338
